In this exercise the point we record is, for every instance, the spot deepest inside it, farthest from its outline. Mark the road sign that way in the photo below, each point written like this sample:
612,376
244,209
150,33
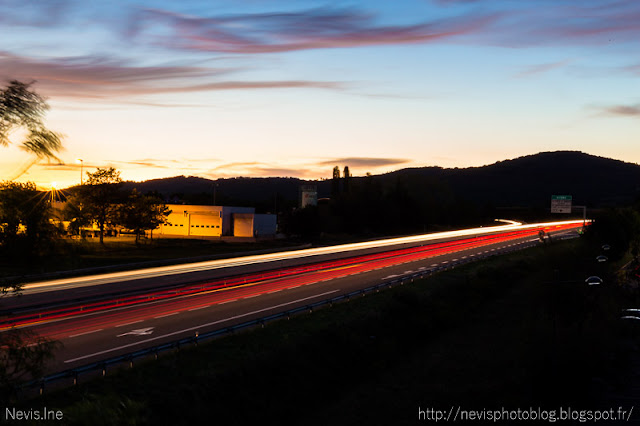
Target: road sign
561,204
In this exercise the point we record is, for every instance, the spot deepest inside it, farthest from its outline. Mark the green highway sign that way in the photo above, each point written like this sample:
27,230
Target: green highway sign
561,203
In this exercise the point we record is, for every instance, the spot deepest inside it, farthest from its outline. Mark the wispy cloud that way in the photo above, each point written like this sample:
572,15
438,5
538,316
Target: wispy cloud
41,14
633,69
623,110
542,68
292,31
236,165
364,162
102,78
156,163
588,22
257,169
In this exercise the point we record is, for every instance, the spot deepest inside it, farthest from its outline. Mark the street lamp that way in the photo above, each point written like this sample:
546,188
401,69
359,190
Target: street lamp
81,161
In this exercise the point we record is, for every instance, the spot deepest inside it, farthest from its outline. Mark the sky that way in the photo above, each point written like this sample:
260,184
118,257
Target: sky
221,89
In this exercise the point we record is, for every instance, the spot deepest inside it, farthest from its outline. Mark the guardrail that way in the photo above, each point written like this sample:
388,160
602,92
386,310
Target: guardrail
73,374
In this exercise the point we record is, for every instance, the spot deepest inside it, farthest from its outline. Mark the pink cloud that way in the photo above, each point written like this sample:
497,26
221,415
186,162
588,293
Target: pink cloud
624,110
542,68
284,32
99,78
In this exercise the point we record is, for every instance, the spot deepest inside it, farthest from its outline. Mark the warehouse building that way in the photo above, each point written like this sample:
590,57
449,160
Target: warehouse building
217,221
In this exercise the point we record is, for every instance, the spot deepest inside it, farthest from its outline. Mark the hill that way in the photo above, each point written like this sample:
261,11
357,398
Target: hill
531,180
522,182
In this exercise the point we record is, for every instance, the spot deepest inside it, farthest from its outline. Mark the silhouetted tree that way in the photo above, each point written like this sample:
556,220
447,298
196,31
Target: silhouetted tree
25,228
99,197
74,213
20,107
335,182
143,212
347,179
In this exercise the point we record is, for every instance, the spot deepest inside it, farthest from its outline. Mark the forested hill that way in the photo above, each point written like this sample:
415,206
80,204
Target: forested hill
531,180
522,182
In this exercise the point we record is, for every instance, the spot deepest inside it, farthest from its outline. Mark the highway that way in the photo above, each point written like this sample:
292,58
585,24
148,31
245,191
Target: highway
95,329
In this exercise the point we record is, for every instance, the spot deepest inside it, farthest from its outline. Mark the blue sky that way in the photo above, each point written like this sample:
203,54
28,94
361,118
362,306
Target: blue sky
257,88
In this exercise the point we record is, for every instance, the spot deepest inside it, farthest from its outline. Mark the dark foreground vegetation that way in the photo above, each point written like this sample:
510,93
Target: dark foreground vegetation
516,331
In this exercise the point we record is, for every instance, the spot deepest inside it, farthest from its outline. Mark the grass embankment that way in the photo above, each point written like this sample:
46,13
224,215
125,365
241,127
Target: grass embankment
517,331
122,251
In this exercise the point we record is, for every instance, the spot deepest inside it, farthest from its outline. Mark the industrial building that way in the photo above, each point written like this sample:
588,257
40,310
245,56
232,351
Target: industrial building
216,221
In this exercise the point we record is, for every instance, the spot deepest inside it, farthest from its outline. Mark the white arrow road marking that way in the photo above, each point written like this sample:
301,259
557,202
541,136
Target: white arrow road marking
138,332
139,342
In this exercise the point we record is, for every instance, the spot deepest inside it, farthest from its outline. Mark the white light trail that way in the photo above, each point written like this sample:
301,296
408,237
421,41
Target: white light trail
92,280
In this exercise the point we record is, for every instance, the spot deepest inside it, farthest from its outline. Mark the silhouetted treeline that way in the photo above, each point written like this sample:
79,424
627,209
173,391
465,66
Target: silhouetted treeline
418,199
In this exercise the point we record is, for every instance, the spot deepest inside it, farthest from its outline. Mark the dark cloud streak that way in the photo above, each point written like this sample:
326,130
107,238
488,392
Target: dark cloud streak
623,110
98,78
364,162
285,32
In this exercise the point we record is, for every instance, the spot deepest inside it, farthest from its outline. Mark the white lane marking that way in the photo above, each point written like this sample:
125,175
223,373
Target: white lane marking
454,260
422,268
446,261
464,257
390,276
138,332
434,264
86,332
274,291
199,307
167,315
129,323
253,295
407,272
196,327
227,301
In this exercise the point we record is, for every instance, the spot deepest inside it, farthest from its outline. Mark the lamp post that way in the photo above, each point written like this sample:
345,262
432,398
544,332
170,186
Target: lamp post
81,161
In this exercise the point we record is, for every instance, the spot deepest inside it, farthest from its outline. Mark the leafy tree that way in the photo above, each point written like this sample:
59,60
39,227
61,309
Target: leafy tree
143,212
22,108
75,214
99,197
25,228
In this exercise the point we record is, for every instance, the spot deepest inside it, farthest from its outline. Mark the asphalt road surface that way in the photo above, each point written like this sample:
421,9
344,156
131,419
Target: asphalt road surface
93,331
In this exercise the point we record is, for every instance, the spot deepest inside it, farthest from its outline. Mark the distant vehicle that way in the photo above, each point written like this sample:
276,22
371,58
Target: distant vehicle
593,280
602,258
606,247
